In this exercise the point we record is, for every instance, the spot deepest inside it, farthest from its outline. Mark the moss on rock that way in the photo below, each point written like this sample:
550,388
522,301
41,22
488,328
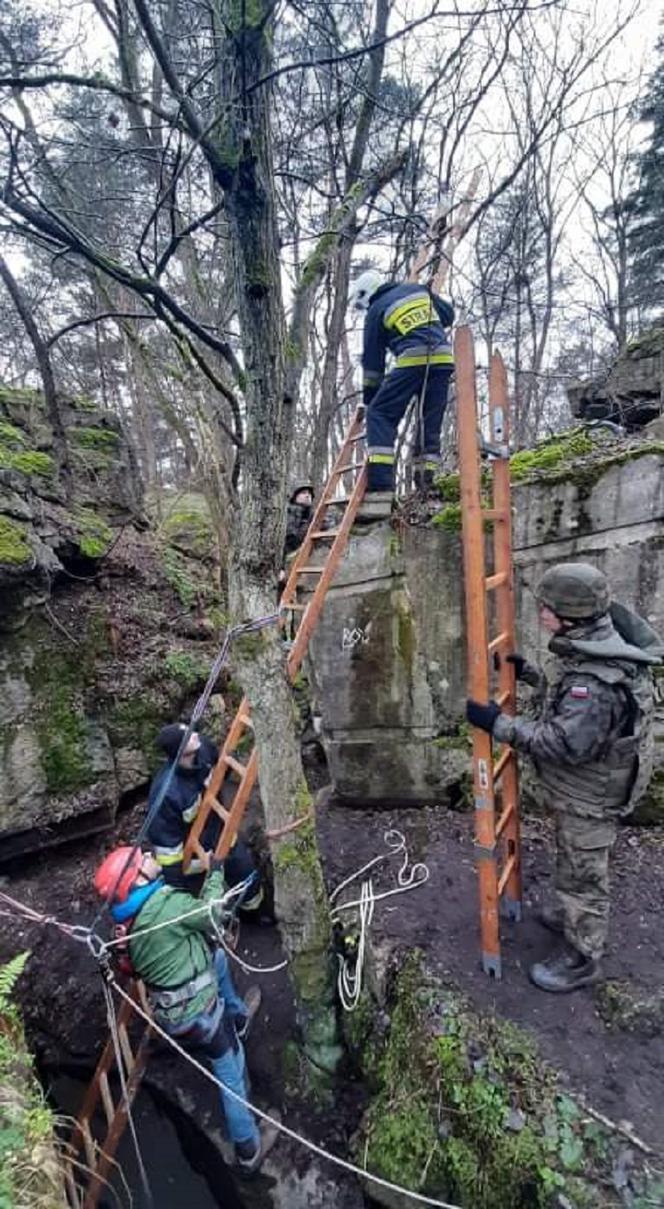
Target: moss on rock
25,461
463,1108
88,437
14,548
95,535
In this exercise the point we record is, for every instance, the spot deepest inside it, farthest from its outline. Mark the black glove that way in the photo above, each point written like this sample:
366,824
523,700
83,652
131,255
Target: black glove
482,716
519,664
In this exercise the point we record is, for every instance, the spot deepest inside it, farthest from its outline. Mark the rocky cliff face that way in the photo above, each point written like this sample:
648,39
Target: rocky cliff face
389,655
632,393
98,645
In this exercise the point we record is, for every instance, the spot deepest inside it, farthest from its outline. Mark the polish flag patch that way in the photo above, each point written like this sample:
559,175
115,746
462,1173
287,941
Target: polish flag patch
580,692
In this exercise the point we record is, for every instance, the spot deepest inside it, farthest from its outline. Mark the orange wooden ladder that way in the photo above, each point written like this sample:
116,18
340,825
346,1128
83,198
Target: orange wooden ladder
348,475
82,1152
495,782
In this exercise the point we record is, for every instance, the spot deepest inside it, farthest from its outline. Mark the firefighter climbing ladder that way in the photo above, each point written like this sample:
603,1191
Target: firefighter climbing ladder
489,596
343,494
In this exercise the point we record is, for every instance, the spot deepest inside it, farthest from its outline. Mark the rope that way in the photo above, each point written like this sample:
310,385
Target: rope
201,705
349,981
113,1027
264,1116
209,907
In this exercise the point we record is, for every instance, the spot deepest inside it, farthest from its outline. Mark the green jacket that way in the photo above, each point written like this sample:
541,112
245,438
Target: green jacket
172,956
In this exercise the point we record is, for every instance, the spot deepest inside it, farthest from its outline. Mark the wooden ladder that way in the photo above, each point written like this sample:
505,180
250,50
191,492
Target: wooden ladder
348,476
489,596
82,1150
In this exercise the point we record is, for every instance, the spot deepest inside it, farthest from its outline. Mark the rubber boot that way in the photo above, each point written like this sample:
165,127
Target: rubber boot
565,971
252,1002
551,917
250,1163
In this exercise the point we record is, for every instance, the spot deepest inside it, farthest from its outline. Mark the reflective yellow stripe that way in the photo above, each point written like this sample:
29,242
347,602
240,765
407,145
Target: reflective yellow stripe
173,859
405,360
192,811
417,311
381,459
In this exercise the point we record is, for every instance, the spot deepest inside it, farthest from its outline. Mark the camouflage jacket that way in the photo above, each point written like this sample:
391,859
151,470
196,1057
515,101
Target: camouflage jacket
592,744
297,522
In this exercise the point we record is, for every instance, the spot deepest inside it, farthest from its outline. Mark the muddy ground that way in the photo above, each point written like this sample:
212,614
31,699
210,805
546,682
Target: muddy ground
620,1073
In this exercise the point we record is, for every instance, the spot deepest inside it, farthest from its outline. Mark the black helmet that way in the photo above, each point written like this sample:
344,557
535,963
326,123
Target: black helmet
574,591
297,489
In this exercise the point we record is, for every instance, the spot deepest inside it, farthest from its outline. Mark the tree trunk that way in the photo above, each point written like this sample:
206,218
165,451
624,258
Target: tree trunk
301,901
45,368
330,379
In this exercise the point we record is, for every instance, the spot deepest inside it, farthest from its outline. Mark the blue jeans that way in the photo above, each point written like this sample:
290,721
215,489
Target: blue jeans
388,407
212,1034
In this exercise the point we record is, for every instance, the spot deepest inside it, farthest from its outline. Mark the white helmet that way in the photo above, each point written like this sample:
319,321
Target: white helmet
363,289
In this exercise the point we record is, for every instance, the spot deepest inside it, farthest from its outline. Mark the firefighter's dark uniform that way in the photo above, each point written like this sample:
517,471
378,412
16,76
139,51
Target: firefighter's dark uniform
410,323
169,828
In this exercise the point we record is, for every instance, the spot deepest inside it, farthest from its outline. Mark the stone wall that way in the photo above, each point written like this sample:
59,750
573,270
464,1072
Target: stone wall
102,632
388,658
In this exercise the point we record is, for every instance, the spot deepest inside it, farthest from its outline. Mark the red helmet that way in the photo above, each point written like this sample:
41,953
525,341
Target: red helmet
115,877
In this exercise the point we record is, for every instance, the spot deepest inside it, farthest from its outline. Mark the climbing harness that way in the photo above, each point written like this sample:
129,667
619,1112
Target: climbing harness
351,954
489,600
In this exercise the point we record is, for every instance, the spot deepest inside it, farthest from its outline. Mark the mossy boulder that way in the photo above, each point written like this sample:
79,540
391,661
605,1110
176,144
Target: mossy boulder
463,1108
47,519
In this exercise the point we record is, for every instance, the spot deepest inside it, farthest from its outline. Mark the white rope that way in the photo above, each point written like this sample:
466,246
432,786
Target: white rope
264,1116
115,1037
349,981
206,907
249,969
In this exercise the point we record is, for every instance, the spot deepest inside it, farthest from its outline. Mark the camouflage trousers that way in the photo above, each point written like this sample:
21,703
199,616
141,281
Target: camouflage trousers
583,848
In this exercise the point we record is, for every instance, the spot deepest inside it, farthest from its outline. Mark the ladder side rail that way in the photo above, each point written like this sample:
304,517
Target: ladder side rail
116,1128
477,643
345,454
505,614
315,605
93,1094
309,619
217,776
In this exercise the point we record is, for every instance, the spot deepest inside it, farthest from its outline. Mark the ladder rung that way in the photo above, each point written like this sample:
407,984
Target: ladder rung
293,608
360,437
494,514
107,1099
495,581
501,764
503,698
246,721
498,641
325,533
506,874
236,766
310,570
345,469
504,818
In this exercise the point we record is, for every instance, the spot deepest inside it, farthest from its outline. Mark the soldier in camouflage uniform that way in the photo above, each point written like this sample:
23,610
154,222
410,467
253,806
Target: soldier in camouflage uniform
592,749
